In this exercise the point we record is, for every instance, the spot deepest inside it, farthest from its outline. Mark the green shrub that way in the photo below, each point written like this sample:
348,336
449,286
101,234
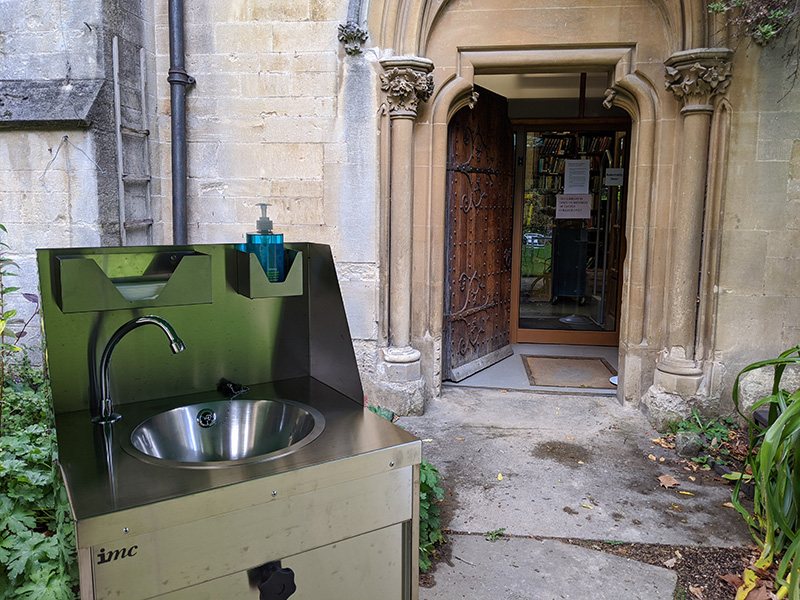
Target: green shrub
37,541
761,20
775,519
430,494
430,523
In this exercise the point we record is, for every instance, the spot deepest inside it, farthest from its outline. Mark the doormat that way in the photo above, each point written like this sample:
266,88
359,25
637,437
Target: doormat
569,371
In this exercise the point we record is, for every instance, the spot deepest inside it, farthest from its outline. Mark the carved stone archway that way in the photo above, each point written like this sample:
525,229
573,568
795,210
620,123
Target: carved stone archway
661,129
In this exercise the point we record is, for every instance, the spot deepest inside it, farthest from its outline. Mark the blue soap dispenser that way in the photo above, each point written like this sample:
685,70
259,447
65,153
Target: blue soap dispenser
267,246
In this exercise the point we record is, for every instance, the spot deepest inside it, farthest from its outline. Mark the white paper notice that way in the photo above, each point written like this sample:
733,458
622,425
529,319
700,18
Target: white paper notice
576,176
573,206
615,177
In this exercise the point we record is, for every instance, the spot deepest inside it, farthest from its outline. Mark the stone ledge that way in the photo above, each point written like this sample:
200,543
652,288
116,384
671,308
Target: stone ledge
26,104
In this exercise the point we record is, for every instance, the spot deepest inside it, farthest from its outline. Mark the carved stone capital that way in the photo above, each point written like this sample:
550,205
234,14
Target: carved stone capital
352,36
696,76
407,81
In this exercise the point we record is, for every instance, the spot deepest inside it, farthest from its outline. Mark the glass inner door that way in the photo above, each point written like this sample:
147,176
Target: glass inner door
570,219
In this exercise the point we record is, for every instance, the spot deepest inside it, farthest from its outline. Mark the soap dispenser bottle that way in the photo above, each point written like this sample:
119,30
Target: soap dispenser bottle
267,246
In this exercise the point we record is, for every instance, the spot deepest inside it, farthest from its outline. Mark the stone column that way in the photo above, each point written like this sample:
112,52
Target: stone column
406,81
695,77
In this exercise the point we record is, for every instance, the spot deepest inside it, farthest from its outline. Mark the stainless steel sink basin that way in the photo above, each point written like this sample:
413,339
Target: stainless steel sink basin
227,433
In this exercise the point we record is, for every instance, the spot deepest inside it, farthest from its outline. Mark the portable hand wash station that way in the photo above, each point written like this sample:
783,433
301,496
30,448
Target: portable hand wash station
212,434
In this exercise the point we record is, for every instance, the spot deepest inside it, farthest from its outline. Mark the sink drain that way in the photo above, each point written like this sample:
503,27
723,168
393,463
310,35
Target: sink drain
206,417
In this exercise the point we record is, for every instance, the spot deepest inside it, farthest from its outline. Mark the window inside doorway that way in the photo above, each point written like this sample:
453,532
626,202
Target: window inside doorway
570,194
570,227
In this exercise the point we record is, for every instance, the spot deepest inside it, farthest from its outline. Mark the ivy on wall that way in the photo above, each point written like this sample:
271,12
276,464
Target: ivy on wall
762,20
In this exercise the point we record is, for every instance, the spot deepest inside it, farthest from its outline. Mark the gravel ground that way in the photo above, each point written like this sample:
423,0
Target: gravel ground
700,570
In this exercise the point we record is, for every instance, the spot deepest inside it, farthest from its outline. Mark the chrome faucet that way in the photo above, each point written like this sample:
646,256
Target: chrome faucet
105,408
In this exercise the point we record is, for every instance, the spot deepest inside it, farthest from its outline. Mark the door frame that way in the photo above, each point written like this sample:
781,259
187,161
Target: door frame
555,336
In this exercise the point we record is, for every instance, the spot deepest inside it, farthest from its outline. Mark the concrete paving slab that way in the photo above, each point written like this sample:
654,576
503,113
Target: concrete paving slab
529,569
572,467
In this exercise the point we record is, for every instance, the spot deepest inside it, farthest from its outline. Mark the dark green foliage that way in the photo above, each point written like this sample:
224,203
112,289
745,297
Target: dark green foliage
430,494
383,412
37,542
711,433
775,518
430,524
37,538
761,20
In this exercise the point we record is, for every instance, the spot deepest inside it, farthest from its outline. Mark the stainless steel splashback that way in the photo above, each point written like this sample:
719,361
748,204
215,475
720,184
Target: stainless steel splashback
297,329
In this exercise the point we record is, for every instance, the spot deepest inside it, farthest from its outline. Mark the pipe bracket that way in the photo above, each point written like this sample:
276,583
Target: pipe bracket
179,75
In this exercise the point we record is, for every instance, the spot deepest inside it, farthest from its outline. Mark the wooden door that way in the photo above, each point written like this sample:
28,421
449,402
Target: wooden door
479,235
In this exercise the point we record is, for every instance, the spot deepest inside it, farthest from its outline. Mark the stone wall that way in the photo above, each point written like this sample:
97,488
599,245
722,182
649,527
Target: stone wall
47,183
280,114
58,173
759,295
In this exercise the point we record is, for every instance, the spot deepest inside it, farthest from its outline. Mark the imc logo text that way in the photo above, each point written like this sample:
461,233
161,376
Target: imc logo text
106,557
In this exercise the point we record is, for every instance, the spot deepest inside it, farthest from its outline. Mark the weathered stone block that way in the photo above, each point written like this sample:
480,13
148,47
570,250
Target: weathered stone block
310,36
687,444
314,84
757,384
360,303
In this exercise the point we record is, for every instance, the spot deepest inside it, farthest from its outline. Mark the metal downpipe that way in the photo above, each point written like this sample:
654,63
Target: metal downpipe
178,81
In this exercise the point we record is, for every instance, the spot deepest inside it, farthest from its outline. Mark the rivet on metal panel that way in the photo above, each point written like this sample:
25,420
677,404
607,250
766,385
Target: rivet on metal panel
125,530
391,463
274,493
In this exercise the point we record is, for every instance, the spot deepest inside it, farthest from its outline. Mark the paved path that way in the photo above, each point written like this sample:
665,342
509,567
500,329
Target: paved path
572,467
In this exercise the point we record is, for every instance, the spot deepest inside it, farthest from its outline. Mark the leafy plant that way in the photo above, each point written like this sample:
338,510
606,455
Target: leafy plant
383,412
761,20
493,536
430,494
430,522
37,540
712,435
775,519
12,328
37,543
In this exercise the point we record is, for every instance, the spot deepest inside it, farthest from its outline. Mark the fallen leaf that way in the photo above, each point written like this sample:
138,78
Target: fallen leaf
670,563
569,438
664,443
580,462
728,505
460,439
732,579
760,593
668,481
662,459
692,478
675,507
697,592
686,493
587,506
678,554
428,440
651,457
499,477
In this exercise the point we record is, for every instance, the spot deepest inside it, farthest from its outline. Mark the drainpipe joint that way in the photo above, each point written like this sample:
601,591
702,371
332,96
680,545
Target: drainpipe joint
179,75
